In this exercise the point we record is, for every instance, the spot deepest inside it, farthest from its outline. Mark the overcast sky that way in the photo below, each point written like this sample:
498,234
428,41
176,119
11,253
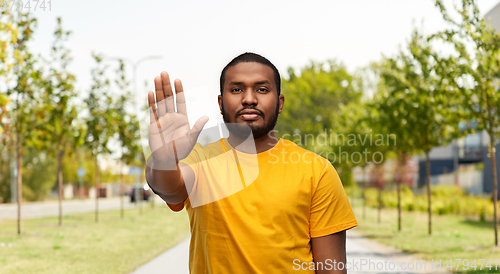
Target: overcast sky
197,38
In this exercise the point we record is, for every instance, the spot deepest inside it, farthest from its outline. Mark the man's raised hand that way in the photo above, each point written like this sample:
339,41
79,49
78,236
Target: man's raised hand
170,137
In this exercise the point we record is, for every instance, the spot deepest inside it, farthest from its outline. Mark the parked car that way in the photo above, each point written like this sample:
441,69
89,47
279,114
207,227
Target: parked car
144,190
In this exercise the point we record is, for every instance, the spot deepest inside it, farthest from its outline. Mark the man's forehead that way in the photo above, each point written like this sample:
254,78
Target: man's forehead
249,72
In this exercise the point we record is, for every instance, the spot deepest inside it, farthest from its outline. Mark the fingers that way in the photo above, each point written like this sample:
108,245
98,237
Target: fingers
167,91
153,116
165,96
160,97
179,97
159,89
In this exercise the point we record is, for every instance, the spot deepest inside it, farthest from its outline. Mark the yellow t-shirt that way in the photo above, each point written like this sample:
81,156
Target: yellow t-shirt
262,226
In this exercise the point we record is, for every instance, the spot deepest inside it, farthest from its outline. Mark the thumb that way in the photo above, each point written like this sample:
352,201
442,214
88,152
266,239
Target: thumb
198,126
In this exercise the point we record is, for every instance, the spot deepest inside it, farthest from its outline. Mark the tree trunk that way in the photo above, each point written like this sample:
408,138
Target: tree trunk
122,192
60,182
495,191
19,183
400,172
379,218
399,205
96,190
428,179
365,182
455,162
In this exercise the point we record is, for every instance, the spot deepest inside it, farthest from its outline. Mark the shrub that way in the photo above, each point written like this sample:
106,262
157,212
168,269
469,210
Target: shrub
445,200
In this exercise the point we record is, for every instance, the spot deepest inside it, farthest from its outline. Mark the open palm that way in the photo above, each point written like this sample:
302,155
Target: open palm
170,137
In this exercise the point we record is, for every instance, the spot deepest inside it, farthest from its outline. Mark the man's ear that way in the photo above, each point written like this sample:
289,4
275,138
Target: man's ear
281,99
220,103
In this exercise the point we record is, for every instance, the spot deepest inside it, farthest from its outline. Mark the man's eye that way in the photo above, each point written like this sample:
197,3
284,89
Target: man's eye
235,90
263,90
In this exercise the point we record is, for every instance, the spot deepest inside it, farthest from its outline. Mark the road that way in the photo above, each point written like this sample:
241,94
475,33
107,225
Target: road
366,256
51,208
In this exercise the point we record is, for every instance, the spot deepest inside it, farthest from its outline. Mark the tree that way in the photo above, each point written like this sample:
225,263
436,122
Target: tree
396,113
100,121
127,126
4,159
313,102
379,143
474,73
358,124
416,98
60,91
377,179
24,85
7,41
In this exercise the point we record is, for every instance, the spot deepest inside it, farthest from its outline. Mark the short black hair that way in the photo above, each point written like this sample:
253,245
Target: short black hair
249,57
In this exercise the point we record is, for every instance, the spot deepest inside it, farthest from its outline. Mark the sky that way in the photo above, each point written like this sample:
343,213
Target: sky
196,39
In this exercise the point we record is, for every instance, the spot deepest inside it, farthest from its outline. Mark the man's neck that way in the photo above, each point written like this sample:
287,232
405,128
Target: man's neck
262,144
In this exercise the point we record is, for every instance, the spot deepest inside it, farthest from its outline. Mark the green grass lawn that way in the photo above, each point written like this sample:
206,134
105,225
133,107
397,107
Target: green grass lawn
113,245
453,237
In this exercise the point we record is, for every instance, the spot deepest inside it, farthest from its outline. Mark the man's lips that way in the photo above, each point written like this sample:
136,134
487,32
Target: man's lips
249,114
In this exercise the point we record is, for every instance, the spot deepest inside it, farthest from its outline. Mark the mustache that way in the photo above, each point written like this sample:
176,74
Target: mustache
239,111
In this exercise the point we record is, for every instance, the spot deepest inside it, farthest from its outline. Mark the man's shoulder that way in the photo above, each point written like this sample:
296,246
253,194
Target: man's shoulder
309,156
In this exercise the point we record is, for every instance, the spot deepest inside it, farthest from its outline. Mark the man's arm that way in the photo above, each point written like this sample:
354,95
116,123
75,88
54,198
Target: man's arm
171,185
330,247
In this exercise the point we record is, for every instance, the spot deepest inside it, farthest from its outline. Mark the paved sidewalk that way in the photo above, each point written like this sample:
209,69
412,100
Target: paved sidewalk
173,261
375,257
369,256
51,208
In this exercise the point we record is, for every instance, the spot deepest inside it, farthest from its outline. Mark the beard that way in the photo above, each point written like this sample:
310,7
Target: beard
242,131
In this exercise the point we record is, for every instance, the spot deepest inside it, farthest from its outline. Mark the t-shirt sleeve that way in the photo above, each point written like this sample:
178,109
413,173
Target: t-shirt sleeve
176,207
192,160
331,211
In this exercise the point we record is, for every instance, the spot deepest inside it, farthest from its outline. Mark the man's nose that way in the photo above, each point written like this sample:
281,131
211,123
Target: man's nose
249,97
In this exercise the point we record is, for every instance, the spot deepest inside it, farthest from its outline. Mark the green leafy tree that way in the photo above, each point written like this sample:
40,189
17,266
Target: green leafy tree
24,85
351,122
7,41
78,152
312,103
416,98
100,122
61,113
127,127
369,124
4,159
4,101
395,114
474,73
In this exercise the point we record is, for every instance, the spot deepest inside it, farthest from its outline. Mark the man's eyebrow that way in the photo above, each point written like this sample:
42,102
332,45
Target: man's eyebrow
262,82
256,83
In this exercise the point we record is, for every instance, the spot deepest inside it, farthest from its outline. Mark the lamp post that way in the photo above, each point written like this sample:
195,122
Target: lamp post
138,62
135,65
